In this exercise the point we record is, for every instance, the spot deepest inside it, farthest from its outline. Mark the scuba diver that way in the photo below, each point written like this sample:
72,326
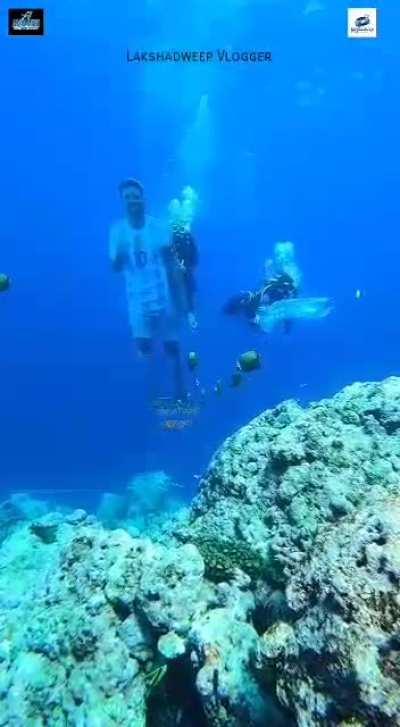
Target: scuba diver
282,281
182,255
182,258
247,303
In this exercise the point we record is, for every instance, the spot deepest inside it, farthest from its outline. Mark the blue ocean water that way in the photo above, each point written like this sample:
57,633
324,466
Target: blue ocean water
304,148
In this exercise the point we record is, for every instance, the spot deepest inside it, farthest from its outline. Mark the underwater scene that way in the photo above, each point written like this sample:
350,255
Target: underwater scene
200,364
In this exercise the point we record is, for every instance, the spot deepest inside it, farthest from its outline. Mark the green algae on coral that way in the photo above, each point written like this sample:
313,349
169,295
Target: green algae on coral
223,557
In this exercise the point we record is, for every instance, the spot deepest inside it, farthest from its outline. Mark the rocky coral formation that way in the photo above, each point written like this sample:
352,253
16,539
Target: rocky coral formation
151,504
277,603
313,495
292,471
91,619
340,658
19,508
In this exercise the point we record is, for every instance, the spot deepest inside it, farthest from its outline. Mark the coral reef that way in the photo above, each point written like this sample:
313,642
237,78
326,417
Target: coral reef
292,471
276,602
91,619
340,659
150,505
19,508
315,493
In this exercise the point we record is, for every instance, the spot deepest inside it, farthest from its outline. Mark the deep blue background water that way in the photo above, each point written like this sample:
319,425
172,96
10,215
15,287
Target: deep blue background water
305,148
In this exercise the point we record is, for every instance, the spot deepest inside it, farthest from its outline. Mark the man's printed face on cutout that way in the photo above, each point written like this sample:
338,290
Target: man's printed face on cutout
133,200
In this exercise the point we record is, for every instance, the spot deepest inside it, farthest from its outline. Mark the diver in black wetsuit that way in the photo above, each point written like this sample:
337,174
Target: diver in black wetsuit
182,258
279,287
187,256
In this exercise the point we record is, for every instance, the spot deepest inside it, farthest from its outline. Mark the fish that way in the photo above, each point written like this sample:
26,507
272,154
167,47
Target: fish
249,361
193,360
5,282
